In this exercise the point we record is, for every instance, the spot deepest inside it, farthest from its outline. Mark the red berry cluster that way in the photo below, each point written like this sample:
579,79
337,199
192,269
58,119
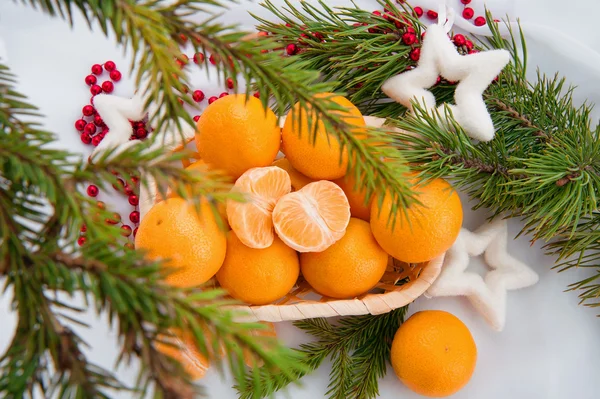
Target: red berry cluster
468,13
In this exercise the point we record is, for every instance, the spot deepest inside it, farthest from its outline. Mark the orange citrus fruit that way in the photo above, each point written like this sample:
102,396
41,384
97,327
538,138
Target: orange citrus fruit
312,218
357,197
348,268
182,348
323,159
187,238
298,179
258,276
237,133
252,221
424,231
434,354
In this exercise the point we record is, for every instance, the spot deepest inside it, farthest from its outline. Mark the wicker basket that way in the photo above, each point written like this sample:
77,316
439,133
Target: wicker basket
401,284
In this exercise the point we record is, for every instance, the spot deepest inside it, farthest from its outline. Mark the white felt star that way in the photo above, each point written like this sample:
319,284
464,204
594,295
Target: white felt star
475,72
488,295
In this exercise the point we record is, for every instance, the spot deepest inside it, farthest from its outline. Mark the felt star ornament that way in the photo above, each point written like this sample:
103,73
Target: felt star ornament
488,295
474,72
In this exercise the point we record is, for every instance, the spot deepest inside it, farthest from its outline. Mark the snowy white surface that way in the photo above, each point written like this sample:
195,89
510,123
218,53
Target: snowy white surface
550,347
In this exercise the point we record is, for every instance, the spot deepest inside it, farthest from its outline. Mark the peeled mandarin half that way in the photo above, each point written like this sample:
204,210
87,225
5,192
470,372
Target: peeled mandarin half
252,221
312,218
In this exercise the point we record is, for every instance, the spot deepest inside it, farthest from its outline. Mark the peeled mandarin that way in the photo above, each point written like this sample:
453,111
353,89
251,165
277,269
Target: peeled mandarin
312,218
237,133
323,159
187,238
252,221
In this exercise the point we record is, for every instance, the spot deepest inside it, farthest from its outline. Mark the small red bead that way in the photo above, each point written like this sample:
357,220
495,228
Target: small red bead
180,101
459,40
90,129
256,94
415,54
90,80
134,200
108,86
480,21
88,110
410,30
141,133
129,245
409,38
116,218
80,125
474,51
377,13
230,83
128,189
198,95
183,37
92,190
465,1
101,205
198,58
83,228
126,230
135,231
223,94
135,180
469,45
97,69
85,138
115,75
439,80
119,185
134,217
81,241
432,14
196,118
291,49
418,12
96,140
213,59
95,90
109,66
182,60
468,13
212,99
98,120
92,100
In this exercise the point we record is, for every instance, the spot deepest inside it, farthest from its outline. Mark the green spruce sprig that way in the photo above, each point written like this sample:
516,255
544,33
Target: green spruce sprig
359,348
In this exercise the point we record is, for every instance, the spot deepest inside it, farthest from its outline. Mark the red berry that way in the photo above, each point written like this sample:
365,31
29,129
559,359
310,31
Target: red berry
134,200
196,118
230,83
90,128
141,133
291,49
474,51
468,13
80,125
85,138
213,59
459,40
409,38
119,185
377,13
109,66
108,86
409,29
92,190
183,37
83,228
432,14
126,230
96,140
418,12
90,80
256,94
469,45
212,99
180,101
182,60
97,69
81,241
134,217
116,218
98,120
415,54
88,110
465,1
95,90
135,231
198,95
198,58
439,80
223,94
115,75
480,21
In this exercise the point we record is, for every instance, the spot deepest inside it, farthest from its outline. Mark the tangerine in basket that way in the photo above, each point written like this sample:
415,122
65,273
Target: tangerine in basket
182,348
187,238
258,276
357,197
323,159
424,231
237,133
312,218
252,221
298,179
434,354
348,268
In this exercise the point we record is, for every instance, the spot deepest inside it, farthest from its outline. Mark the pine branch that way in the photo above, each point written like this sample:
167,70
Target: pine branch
359,348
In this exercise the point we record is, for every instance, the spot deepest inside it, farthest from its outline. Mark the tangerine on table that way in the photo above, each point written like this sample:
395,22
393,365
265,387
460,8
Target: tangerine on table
188,239
357,197
258,276
237,133
252,221
182,348
348,268
298,179
424,231
434,354
312,218
323,159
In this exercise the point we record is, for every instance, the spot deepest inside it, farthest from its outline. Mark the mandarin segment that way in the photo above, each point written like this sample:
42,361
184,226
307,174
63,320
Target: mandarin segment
312,218
188,239
252,221
348,268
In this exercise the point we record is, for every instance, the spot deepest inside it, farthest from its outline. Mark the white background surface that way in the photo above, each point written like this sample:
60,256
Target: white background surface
550,347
